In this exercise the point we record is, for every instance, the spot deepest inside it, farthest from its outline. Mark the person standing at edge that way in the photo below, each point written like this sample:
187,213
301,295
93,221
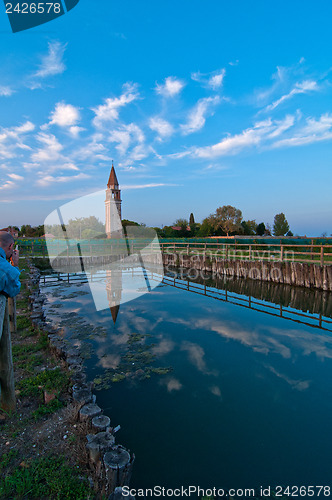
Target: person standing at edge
9,273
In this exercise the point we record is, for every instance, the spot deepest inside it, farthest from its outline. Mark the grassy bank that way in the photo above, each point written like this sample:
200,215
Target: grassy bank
42,446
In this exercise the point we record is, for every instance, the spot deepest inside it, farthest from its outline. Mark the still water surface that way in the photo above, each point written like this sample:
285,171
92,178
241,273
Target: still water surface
248,400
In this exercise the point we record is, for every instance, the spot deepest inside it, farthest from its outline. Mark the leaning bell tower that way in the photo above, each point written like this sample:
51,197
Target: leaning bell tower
113,205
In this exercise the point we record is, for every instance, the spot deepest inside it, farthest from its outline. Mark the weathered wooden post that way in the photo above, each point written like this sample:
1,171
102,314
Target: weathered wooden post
12,314
118,467
322,255
7,401
281,253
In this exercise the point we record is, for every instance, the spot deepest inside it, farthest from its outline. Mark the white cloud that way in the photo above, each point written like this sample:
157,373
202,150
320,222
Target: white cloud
7,185
163,128
263,134
52,63
75,131
94,150
300,88
171,87
282,81
125,136
313,131
281,126
213,80
10,139
197,116
6,91
25,128
64,115
144,186
260,133
16,177
49,179
50,150
110,110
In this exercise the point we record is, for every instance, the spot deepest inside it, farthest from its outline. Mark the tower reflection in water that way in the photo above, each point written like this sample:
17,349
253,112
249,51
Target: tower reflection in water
114,291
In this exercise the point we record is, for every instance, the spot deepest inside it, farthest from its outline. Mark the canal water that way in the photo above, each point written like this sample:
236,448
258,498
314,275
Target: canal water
209,392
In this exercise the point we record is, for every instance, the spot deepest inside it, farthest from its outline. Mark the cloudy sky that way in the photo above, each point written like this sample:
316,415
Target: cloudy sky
199,104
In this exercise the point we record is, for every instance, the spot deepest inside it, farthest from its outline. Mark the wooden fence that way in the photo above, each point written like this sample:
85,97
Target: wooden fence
311,254
272,251
7,326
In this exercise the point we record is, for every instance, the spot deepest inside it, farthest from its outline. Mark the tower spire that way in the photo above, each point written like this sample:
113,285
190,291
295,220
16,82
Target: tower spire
113,181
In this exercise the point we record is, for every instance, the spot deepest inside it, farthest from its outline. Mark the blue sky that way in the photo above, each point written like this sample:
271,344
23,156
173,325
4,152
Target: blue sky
199,104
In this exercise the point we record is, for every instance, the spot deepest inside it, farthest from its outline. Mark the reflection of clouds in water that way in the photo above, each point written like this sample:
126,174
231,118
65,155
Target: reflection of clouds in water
120,339
172,384
263,338
164,347
318,344
215,390
196,354
108,361
299,385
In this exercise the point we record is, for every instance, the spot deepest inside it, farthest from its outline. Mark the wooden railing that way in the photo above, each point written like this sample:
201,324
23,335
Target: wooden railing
7,324
272,251
313,254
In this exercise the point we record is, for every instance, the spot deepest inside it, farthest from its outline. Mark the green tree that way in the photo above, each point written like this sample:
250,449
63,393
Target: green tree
249,227
183,223
205,229
227,218
280,225
191,219
126,222
260,230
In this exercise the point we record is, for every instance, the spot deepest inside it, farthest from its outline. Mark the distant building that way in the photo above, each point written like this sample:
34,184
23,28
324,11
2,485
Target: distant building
11,231
179,228
113,206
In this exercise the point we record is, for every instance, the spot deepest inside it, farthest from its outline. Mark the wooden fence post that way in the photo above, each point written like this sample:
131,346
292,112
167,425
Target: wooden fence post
7,400
322,255
281,253
12,314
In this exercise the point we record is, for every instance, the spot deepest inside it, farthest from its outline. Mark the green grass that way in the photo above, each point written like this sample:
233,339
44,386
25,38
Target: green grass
47,409
28,356
47,477
46,380
7,458
23,322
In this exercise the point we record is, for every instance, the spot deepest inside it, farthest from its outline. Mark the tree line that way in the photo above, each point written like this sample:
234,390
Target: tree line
225,221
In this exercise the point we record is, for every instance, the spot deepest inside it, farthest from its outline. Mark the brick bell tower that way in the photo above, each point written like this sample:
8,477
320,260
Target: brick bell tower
113,194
